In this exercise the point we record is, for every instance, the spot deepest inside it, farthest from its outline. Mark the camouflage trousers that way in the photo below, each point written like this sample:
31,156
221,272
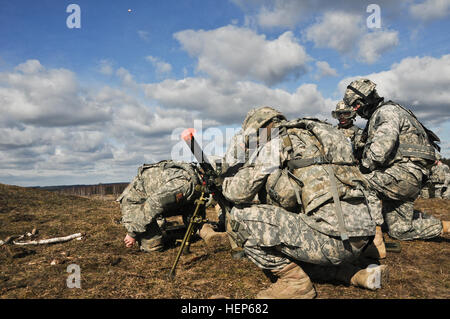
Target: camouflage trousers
273,237
398,190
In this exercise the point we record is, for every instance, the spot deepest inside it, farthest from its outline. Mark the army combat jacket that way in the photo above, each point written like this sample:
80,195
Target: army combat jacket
161,189
395,137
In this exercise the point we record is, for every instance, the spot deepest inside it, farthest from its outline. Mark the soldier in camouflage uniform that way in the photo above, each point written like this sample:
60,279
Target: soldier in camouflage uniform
398,153
346,116
161,190
316,211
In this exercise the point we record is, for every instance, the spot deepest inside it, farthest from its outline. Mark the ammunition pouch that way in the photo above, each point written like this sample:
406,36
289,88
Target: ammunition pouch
238,233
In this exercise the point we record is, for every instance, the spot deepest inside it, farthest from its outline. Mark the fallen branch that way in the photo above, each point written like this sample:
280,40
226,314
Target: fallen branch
50,240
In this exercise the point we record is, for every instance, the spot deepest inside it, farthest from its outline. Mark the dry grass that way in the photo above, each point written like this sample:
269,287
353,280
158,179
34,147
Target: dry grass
109,270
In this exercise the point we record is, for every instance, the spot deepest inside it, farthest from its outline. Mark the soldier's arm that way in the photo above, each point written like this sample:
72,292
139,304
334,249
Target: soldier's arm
382,140
244,186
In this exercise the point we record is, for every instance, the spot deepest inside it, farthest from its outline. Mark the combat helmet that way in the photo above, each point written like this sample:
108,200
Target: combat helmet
364,92
259,117
343,111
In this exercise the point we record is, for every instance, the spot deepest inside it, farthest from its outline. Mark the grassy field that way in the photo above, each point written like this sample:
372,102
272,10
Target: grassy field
109,270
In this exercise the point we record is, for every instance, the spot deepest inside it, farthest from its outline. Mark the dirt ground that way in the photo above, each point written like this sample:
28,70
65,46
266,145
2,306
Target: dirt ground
108,270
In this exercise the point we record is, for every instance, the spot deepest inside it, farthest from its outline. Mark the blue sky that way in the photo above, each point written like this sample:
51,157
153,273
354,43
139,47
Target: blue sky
90,105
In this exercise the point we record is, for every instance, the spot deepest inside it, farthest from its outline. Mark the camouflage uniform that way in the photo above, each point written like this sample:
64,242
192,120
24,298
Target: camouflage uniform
351,131
161,189
396,157
298,221
439,180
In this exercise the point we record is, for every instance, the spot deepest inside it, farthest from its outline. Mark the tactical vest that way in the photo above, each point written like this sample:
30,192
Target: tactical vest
417,144
321,163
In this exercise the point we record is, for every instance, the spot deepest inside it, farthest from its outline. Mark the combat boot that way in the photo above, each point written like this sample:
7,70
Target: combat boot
212,238
151,245
292,283
373,277
445,227
152,239
377,249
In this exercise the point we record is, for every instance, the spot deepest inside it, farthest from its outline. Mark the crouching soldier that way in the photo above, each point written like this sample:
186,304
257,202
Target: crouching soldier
162,189
399,152
315,205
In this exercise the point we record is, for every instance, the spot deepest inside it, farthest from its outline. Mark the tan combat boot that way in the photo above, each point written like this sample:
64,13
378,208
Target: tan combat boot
292,283
373,277
376,249
212,238
151,245
445,227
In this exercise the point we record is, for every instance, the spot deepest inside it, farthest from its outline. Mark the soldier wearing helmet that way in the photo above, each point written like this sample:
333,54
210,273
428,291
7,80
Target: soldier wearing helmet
346,116
399,152
296,225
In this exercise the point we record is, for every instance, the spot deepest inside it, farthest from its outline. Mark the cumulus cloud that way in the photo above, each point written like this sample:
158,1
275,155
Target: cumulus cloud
233,53
281,13
374,44
347,32
32,94
430,10
53,128
419,83
337,30
324,69
291,13
161,67
229,104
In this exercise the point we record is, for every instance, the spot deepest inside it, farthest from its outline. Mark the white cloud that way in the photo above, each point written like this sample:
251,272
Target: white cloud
324,69
160,66
35,95
232,53
374,44
30,67
126,78
228,104
54,129
346,33
291,13
282,13
337,30
430,10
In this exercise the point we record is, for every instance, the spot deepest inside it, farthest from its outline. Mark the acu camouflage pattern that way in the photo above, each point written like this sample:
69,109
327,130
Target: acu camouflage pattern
271,235
393,135
258,117
365,86
160,189
438,183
